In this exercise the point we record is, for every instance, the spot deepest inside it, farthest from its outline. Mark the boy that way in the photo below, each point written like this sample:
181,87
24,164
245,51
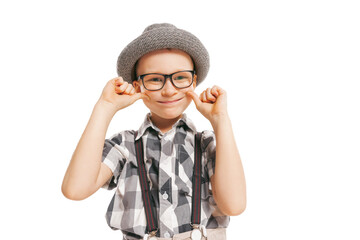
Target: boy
164,173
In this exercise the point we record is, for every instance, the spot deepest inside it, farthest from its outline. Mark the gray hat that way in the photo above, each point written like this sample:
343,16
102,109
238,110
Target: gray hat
160,36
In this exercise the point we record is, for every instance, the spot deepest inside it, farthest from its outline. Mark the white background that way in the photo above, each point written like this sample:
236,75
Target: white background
291,71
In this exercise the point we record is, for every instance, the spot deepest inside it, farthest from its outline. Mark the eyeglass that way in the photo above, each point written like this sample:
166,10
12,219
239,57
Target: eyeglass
156,81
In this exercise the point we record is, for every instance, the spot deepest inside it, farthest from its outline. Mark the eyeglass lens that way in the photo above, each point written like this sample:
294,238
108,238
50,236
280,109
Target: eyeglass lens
156,81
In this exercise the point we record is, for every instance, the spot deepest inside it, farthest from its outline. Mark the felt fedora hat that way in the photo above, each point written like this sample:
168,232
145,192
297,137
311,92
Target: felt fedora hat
160,36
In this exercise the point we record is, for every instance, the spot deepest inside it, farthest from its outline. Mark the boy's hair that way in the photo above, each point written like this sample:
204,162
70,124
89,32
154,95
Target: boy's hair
163,36
134,72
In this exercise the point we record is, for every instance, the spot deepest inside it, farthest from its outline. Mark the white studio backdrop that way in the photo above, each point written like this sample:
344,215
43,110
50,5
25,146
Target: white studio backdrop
291,71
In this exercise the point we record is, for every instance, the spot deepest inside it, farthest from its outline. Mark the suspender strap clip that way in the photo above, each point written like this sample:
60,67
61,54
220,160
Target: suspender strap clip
150,235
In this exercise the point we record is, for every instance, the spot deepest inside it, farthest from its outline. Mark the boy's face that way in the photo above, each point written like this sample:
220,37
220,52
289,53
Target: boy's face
169,102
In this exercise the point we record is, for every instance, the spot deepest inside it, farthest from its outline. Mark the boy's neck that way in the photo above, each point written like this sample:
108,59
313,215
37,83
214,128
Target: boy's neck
164,124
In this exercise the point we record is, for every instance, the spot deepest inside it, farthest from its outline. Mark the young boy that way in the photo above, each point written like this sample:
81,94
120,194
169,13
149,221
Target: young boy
164,173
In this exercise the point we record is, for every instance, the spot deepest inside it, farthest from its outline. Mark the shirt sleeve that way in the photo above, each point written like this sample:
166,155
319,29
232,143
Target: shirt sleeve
113,158
208,143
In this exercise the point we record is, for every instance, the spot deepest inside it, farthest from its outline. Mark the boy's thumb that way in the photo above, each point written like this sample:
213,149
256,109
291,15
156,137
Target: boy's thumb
144,96
194,97
136,97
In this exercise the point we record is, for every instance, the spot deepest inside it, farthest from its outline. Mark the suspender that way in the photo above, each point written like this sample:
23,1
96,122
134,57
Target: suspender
149,203
151,217
196,181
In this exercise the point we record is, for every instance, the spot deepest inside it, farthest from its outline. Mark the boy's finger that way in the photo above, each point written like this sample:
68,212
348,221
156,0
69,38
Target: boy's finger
194,97
136,97
144,96
216,90
203,97
123,87
132,92
128,89
210,96
118,90
117,81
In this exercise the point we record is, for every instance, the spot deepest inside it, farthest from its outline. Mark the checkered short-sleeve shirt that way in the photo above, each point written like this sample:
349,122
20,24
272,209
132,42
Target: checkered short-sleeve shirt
169,160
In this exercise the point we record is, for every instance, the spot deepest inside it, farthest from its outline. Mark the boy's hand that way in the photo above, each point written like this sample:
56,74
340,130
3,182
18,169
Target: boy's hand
211,104
119,94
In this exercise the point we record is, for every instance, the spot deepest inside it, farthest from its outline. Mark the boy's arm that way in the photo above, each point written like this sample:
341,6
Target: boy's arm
228,181
86,173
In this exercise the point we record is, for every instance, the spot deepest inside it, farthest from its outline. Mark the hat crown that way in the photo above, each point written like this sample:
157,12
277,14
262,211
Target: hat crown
160,36
158,25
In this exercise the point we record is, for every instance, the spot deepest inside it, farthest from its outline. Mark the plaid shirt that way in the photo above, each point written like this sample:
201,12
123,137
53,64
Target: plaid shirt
169,160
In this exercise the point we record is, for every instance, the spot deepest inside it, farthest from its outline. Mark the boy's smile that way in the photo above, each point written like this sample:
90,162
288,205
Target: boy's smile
170,101
167,104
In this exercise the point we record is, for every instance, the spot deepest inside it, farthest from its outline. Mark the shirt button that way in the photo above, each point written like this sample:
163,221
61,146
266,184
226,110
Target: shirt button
165,196
167,235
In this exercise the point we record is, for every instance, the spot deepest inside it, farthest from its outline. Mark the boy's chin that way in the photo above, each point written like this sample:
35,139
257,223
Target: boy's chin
168,115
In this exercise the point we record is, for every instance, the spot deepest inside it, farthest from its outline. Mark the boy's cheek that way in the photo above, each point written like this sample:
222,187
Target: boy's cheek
191,88
142,89
188,97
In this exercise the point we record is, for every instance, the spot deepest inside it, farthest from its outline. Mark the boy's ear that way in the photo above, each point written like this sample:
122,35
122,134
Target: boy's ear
136,85
194,83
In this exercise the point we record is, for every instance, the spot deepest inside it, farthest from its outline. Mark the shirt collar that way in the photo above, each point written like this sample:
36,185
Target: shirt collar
183,121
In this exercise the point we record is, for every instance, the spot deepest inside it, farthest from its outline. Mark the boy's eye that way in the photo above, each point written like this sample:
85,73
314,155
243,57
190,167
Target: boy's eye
179,77
182,77
154,80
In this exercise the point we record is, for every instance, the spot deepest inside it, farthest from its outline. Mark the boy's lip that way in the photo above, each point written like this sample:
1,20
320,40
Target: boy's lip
171,101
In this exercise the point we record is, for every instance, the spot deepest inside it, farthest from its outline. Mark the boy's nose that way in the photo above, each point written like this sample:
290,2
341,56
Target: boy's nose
168,89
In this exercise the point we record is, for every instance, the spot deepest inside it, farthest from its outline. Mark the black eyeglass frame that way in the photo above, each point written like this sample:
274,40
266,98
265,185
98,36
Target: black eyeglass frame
166,76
